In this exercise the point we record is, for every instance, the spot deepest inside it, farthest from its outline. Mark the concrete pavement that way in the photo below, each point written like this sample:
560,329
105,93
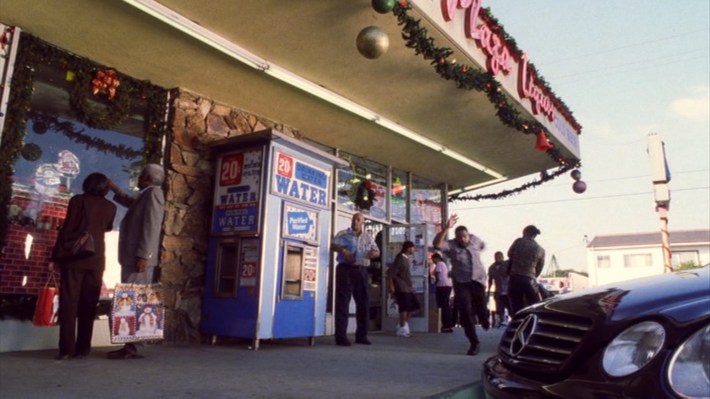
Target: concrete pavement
425,365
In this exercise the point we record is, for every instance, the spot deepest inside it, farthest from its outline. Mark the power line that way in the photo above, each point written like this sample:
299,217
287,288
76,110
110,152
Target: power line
649,63
611,50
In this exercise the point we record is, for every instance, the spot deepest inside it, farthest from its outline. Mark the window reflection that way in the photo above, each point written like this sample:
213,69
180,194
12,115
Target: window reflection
59,152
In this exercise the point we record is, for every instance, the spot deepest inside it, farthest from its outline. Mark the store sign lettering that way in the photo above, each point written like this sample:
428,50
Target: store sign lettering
498,55
300,181
300,190
237,195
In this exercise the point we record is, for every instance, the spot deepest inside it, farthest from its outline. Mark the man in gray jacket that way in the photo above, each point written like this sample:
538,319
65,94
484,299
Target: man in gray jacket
526,260
139,235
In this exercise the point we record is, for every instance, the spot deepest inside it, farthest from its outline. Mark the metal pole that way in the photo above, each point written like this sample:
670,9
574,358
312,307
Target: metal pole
665,235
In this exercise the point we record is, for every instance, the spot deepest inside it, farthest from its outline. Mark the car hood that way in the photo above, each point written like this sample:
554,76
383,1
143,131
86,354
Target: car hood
683,296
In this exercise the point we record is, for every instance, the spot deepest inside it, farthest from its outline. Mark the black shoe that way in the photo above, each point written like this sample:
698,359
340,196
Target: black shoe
123,353
343,342
363,341
474,349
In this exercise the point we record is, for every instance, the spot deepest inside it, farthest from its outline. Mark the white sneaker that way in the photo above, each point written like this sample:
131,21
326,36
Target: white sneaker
403,332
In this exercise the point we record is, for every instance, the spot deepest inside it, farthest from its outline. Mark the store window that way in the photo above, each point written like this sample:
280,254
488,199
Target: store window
426,202
398,201
68,117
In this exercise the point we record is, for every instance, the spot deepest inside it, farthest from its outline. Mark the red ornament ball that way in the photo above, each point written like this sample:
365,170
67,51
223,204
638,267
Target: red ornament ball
579,187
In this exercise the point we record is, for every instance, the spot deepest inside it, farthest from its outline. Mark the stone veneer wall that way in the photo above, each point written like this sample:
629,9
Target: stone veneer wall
194,122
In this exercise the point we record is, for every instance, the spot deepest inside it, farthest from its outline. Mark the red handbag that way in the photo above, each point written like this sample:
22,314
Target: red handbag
47,307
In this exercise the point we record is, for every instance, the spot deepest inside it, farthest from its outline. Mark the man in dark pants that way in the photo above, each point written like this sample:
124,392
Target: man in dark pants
139,236
469,277
526,259
355,248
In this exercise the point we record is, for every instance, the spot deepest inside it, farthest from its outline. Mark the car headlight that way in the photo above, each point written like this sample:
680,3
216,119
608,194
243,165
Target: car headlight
689,370
633,348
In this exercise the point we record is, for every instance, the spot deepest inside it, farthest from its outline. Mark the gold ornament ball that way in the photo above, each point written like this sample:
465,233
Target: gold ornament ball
372,42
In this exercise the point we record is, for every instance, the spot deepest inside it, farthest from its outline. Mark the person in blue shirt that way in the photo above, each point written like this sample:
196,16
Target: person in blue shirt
469,278
355,249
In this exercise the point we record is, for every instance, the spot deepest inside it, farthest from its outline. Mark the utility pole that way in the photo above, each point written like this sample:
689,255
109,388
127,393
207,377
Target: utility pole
660,176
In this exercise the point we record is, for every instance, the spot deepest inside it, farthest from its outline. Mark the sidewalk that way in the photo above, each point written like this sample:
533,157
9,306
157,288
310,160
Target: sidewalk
425,365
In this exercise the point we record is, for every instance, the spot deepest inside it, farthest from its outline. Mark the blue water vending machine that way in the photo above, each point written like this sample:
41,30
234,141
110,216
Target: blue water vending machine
268,253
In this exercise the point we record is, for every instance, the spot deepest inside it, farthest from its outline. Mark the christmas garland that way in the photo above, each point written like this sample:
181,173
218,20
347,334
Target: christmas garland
467,77
129,95
544,177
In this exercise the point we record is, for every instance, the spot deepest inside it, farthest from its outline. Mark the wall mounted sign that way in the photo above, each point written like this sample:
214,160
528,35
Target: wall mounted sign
300,181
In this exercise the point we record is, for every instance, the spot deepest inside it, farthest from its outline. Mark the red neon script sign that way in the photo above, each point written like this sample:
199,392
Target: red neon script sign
498,55
492,44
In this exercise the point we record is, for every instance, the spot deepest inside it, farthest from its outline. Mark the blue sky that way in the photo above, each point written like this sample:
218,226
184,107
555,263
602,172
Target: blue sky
625,69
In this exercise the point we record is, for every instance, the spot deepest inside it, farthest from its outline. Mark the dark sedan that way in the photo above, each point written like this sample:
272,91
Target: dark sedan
645,338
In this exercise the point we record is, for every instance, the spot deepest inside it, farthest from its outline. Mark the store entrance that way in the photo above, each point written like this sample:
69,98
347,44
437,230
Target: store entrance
393,237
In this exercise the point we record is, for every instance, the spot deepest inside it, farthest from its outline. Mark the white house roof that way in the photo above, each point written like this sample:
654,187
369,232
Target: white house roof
700,236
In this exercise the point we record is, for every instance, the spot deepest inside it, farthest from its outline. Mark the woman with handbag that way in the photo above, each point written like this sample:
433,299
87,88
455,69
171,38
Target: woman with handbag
81,269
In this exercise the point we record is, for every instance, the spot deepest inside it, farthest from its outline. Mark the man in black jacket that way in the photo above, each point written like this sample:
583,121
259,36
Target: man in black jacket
526,260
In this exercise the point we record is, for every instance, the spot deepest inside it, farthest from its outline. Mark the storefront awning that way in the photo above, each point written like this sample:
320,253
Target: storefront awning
296,62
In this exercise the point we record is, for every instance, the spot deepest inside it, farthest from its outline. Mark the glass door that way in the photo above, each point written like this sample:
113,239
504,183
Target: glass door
395,236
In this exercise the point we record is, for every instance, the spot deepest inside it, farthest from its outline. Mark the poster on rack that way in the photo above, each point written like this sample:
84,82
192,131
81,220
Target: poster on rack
137,313
236,199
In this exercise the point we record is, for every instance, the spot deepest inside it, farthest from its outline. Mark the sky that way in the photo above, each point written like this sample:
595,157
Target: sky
626,69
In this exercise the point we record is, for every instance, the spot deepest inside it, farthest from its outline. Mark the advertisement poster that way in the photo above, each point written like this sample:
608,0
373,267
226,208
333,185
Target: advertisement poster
236,199
300,181
426,206
249,261
310,268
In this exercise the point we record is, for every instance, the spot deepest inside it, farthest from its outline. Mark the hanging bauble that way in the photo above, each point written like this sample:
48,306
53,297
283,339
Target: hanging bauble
39,127
576,174
542,144
31,152
579,187
372,42
383,6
